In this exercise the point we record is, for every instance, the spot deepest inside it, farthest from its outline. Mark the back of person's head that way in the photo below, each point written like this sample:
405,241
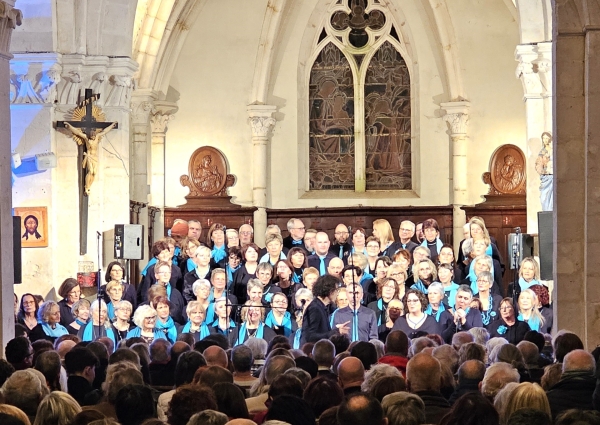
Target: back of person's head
134,404
86,417
276,366
329,416
460,338
551,376
230,400
18,352
448,356
12,415
397,342
472,409
208,417
324,353
471,351
285,384
100,350
510,354
215,356
480,335
78,359
279,341
423,373
160,351
359,409
341,342
579,361
215,374
219,340
529,395
25,389
322,393
241,358
119,375
564,344
6,369
186,367
366,352
528,416
57,408
258,347
308,364
301,374
387,385
496,377
530,352
403,408
471,370
188,400
124,354
291,409
536,338
49,365
351,372
419,344
187,338
378,371
578,417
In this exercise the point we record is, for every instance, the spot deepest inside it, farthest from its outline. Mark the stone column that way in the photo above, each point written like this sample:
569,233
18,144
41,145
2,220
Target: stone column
457,117
262,122
9,19
161,115
576,172
535,72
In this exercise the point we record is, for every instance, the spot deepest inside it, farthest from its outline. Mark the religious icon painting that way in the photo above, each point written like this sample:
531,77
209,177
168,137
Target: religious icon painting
34,226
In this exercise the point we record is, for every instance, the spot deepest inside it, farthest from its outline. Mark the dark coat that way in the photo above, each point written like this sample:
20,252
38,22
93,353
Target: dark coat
315,261
436,406
575,390
315,324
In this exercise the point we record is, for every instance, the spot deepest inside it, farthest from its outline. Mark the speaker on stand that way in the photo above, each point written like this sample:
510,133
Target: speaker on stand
129,244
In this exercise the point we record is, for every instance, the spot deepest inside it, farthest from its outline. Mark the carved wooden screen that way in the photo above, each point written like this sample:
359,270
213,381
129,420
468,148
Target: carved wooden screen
359,103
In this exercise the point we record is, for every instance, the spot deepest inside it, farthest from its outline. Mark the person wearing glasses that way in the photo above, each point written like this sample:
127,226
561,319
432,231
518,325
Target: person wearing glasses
48,327
203,270
295,239
436,308
278,318
416,322
341,246
405,232
70,291
508,326
465,317
431,231
426,274
163,278
446,278
99,326
253,314
246,234
387,290
196,324
28,310
122,323
490,303
144,319
361,321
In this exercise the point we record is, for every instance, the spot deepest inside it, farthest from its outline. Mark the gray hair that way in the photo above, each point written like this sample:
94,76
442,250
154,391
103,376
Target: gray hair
436,286
95,307
480,335
79,304
141,312
200,282
303,292
258,346
291,222
496,377
208,417
25,389
378,371
403,408
123,304
424,249
44,310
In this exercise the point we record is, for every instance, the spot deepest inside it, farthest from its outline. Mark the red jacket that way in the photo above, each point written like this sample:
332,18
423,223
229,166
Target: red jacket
395,360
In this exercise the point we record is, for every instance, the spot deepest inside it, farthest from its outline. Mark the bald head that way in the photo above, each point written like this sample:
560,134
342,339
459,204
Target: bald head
241,422
215,356
473,370
335,267
351,372
423,373
64,347
397,342
341,234
322,243
460,338
530,352
579,361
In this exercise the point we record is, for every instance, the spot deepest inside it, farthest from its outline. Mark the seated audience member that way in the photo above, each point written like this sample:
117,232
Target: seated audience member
11,415
576,417
19,353
322,393
471,351
49,364
188,400
209,417
351,375
376,372
230,400
359,409
160,368
472,408
531,357
424,378
577,384
56,408
134,404
211,375
242,360
25,389
496,377
215,356
564,343
470,375
402,408
49,326
323,353
525,394
290,409
396,351
80,364
274,366
527,416
365,352
118,375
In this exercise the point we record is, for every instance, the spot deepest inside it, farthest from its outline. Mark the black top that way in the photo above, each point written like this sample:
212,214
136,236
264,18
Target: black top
315,261
315,323
66,317
334,248
150,279
288,243
429,326
513,334
188,283
240,282
129,294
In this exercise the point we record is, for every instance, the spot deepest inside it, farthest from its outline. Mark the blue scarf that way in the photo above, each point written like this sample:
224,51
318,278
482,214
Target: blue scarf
137,332
56,332
204,331
526,285
488,250
79,322
438,244
168,329
210,313
533,322
267,259
231,325
110,308
452,290
176,253
296,278
419,286
297,336
286,322
152,262
242,333
218,253
381,308
429,311
230,272
88,333
169,289
190,265
364,251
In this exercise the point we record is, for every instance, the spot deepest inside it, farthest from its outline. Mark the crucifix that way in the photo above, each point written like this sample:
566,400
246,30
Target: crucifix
85,120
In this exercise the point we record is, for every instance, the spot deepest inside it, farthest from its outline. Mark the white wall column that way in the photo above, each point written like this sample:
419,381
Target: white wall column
457,117
163,112
262,122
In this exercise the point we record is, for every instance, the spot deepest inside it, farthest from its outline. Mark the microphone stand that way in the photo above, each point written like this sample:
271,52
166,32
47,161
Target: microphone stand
99,275
516,249
355,309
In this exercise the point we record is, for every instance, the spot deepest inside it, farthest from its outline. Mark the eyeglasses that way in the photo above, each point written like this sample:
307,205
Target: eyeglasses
506,308
482,281
28,302
341,233
405,230
246,233
151,319
373,246
167,272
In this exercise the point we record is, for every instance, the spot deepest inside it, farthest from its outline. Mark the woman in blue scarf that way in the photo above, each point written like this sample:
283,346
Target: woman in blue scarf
114,289
215,239
297,257
218,278
529,273
144,319
234,261
387,290
431,231
303,297
446,278
426,274
99,326
253,325
122,323
49,327
528,311
196,324
81,313
436,308
164,321
223,323
186,262
279,319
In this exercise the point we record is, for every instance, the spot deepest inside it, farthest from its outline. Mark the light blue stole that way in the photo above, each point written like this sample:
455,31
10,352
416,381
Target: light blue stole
533,322
59,330
420,286
242,333
429,311
171,332
88,333
265,258
526,285
218,253
204,331
286,322
438,244
137,332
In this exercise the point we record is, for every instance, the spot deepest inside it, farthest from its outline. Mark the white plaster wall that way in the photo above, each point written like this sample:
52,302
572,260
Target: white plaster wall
35,34
487,35
214,76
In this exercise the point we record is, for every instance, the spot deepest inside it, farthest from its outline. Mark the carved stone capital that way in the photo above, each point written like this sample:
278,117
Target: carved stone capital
261,119
162,113
10,18
527,70
457,117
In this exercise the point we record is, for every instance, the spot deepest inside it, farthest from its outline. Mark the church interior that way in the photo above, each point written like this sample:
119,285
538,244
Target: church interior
332,111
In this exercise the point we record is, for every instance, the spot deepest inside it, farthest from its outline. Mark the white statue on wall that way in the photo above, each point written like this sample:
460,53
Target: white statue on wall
544,166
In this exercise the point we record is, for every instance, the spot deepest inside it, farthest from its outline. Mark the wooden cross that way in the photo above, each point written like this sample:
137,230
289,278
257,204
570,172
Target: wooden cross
87,125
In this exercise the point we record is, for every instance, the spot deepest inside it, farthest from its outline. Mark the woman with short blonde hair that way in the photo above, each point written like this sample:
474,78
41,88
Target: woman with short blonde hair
526,395
57,408
252,315
145,322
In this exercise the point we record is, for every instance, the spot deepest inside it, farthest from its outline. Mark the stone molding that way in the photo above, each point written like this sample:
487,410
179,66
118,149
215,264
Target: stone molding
10,18
535,69
162,113
53,78
457,116
261,119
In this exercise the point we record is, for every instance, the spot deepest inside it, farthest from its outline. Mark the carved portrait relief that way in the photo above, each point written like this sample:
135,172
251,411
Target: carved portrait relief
207,173
507,171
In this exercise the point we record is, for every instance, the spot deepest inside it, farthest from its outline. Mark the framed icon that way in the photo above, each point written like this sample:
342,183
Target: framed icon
34,226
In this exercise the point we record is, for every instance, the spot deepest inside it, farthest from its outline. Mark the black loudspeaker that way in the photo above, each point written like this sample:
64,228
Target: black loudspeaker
546,241
519,246
129,241
17,249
